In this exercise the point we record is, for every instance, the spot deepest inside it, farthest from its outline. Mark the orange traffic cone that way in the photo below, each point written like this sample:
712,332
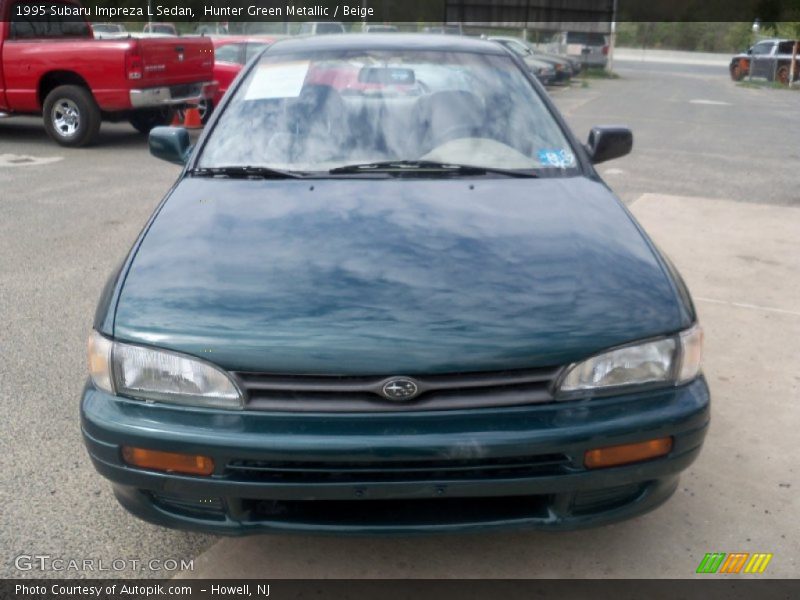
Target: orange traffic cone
176,119
192,119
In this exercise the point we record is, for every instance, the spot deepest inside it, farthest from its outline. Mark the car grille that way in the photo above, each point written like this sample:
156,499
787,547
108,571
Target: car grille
409,512
328,393
386,471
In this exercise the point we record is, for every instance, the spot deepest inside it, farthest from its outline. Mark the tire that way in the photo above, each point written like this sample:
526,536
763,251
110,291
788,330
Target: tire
737,73
71,116
145,120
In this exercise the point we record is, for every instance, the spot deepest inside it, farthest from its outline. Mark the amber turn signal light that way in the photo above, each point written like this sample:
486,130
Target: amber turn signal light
190,464
612,456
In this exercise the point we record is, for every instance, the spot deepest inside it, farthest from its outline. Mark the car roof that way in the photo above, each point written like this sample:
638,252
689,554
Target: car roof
224,40
387,41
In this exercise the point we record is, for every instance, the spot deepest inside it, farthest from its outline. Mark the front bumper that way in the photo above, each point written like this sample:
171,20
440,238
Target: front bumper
406,472
172,95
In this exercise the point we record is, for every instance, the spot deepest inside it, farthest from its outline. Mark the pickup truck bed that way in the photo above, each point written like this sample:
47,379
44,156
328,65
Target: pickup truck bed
53,66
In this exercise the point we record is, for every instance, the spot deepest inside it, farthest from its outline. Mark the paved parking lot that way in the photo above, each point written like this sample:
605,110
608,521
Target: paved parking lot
713,177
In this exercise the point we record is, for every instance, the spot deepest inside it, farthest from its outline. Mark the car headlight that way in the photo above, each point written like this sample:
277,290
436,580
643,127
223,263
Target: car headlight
159,375
673,359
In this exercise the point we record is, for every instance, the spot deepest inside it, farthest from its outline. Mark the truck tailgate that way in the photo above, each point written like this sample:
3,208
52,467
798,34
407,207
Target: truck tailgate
176,60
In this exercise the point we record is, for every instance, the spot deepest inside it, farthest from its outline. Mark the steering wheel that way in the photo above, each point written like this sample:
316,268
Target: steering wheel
451,115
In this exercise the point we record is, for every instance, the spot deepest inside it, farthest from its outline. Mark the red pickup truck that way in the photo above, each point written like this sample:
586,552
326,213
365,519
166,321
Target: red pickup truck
50,64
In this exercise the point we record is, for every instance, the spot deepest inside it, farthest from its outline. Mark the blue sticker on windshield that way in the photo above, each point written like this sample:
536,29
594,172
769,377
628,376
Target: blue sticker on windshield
556,158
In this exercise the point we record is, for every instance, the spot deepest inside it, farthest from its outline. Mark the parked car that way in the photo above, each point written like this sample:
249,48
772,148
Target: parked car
769,59
212,29
380,29
542,70
109,31
321,27
56,68
561,68
369,314
160,29
590,49
574,64
231,53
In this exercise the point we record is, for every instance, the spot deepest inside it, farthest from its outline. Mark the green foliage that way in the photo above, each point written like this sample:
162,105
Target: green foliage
696,36
786,29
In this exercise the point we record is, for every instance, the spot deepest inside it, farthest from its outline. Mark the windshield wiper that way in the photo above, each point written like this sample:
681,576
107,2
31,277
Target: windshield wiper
246,172
430,166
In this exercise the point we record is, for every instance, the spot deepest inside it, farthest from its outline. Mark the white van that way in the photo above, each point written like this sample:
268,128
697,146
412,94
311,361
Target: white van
590,49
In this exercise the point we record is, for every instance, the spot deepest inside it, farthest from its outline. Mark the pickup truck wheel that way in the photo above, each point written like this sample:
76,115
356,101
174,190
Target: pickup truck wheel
145,120
783,74
71,116
737,73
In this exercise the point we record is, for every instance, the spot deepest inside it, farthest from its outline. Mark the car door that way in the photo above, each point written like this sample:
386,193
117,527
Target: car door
761,59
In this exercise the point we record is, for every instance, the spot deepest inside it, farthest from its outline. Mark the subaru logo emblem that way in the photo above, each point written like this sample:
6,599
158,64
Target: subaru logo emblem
400,389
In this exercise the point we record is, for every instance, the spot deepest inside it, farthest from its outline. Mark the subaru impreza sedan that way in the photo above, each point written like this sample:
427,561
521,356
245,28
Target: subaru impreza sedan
390,294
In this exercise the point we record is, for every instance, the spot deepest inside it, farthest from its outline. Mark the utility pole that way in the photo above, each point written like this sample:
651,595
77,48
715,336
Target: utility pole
612,38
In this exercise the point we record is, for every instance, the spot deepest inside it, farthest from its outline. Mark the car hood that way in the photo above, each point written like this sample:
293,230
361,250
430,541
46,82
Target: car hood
396,276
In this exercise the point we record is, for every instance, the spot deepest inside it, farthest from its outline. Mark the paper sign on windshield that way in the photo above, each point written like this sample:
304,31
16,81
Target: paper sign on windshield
277,80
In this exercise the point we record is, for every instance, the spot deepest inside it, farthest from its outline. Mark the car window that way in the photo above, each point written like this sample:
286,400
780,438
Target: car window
317,111
306,28
252,49
587,39
164,29
330,28
36,21
786,47
762,48
228,53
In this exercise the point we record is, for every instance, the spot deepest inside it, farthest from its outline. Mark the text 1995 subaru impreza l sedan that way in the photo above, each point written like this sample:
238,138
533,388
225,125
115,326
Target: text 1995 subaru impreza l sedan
390,294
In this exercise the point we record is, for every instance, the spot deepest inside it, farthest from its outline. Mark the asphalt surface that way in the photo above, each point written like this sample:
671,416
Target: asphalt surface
69,216
696,133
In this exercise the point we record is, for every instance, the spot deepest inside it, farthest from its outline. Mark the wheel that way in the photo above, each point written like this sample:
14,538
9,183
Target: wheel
737,73
71,116
145,120
782,74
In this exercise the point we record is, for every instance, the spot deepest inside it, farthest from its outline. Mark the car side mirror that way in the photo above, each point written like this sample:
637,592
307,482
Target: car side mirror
749,50
171,144
609,142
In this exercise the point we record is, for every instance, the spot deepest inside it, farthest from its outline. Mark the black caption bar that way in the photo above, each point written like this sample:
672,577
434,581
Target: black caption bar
206,589
512,13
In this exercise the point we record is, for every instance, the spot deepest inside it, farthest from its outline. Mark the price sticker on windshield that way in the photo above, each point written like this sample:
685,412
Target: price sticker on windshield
277,80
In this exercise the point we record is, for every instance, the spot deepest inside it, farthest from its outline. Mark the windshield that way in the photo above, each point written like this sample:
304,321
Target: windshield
322,111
